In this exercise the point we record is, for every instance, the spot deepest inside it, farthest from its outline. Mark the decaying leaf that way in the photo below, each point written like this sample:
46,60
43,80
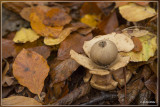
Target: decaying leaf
19,100
36,19
105,82
30,69
74,95
119,76
61,71
123,42
134,12
137,45
56,17
7,48
24,35
151,84
90,20
25,13
63,35
105,24
149,47
74,41
132,91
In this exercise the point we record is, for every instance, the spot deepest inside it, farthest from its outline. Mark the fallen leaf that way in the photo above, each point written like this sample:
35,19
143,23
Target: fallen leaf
30,69
58,88
74,41
124,3
90,8
118,75
132,91
151,84
25,13
7,48
24,35
144,96
137,45
63,35
149,47
90,20
105,24
36,19
56,17
133,12
19,100
123,42
104,83
74,95
15,6
146,73
61,71
84,31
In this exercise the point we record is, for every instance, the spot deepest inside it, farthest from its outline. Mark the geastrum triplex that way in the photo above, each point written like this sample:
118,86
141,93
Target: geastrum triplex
104,61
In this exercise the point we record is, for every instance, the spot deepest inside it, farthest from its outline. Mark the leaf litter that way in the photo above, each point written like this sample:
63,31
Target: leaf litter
49,63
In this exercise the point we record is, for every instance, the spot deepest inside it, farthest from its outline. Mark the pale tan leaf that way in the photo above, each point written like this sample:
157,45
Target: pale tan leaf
134,12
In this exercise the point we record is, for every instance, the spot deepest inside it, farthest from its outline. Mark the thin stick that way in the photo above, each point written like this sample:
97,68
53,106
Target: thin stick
125,85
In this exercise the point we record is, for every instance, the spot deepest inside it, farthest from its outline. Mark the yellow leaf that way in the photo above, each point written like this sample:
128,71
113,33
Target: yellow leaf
90,20
134,12
19,100
24,35
149,47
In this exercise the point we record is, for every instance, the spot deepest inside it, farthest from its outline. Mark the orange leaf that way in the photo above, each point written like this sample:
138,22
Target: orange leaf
36,19
137,44
30,69
56,17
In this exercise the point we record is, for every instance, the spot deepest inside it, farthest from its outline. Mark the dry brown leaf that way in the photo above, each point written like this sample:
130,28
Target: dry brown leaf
57,91
119,76
56,17
19,100
74,41
7,48
25,13
151,84
30,69
61,71
123,42
105,24
105,82
132,91
84,31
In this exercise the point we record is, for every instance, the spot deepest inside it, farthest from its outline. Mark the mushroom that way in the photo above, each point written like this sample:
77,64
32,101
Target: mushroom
104,52
103,60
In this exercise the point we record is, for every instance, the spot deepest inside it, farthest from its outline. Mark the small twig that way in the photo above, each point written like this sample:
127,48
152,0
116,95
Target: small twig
106,96
124,71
